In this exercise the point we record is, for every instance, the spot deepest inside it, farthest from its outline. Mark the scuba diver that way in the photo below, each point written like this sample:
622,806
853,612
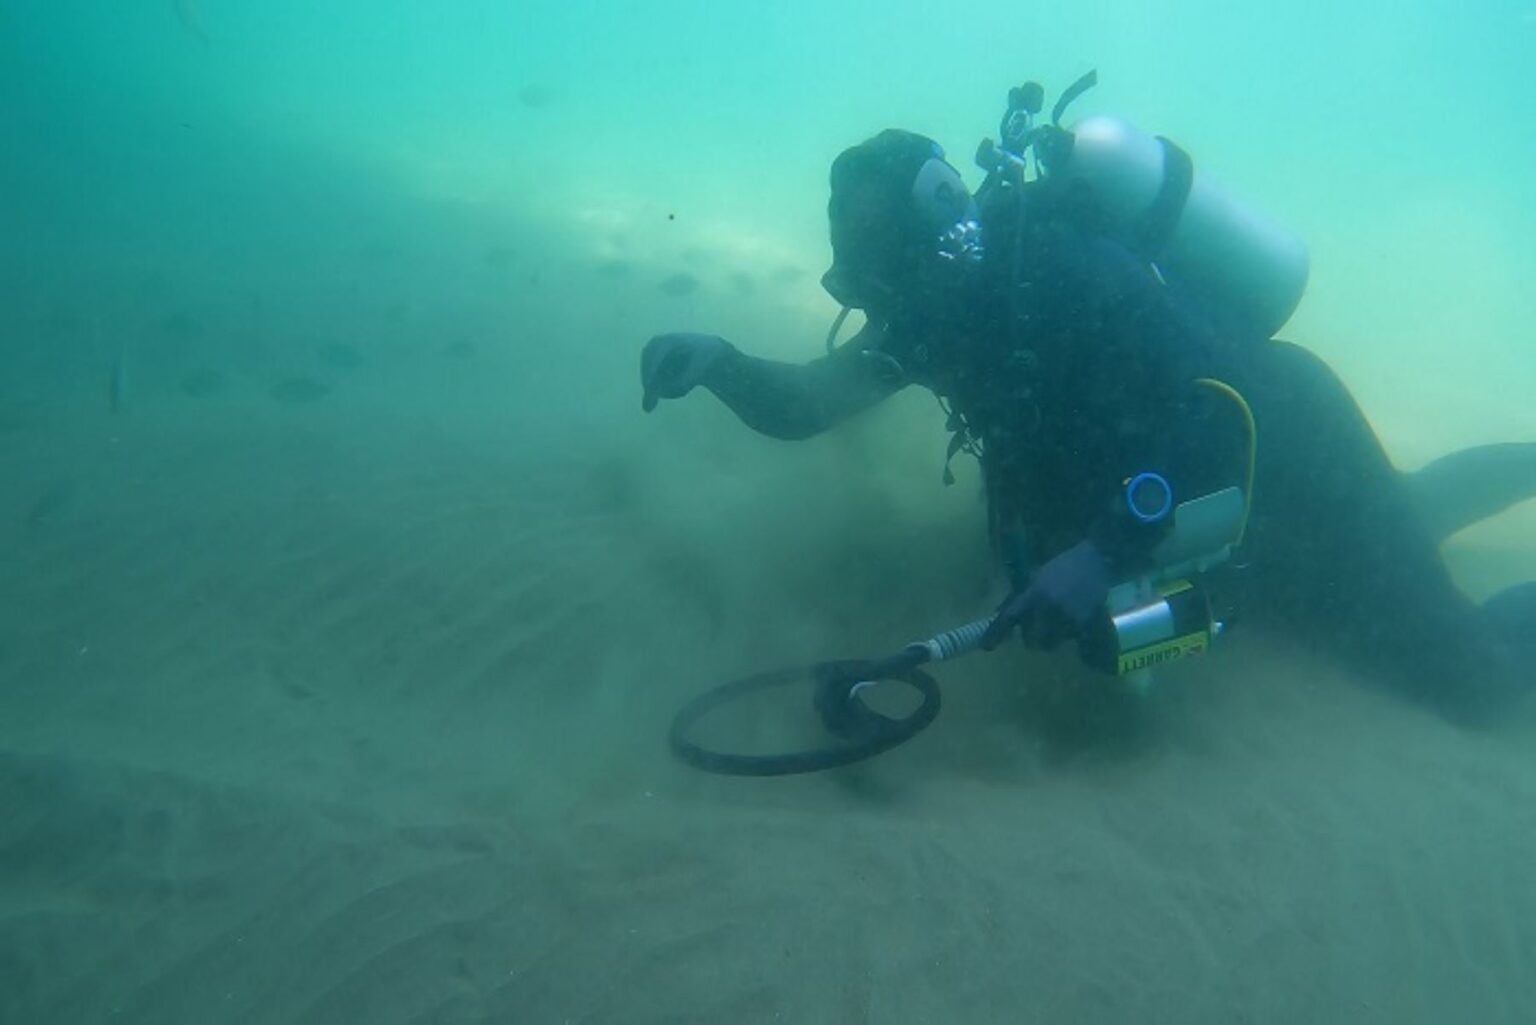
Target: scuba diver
1100,334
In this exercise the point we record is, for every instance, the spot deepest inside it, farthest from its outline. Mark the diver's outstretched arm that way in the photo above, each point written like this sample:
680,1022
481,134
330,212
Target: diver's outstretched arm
1458,490
782,400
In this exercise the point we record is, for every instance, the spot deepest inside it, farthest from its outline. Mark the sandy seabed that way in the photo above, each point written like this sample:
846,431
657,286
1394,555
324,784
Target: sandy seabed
326,714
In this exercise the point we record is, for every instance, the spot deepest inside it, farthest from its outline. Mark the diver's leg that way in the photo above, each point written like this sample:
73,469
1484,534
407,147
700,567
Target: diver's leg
1340,547
1458,490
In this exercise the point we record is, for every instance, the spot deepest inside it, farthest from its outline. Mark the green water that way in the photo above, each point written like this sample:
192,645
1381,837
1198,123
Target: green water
347,592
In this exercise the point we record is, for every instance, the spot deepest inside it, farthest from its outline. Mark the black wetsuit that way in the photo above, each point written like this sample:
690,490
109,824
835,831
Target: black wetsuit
1072,365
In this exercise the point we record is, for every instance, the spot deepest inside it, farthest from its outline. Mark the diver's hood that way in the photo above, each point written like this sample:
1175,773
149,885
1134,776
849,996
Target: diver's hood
896,206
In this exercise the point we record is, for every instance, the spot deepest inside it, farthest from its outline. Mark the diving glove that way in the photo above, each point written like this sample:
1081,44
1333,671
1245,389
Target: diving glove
672,365
1059,601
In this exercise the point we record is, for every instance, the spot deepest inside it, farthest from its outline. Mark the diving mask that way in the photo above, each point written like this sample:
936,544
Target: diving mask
946,207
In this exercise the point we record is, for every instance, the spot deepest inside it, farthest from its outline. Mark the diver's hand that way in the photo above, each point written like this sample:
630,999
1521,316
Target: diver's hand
672,365
1062,599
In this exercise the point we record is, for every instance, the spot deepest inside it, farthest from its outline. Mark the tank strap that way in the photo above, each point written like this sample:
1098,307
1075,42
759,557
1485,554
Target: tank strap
1157,224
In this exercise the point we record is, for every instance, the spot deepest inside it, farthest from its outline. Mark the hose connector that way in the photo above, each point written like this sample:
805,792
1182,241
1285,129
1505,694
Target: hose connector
952,643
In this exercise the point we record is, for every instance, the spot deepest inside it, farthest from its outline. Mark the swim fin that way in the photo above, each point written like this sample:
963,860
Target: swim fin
1466,487
1510,619
1511,614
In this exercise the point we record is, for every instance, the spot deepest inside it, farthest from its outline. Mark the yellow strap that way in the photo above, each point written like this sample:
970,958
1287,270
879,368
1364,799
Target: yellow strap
1253,443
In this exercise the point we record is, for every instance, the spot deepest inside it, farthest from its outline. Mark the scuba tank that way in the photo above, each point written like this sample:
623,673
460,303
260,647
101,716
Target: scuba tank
1228,252
1246,267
